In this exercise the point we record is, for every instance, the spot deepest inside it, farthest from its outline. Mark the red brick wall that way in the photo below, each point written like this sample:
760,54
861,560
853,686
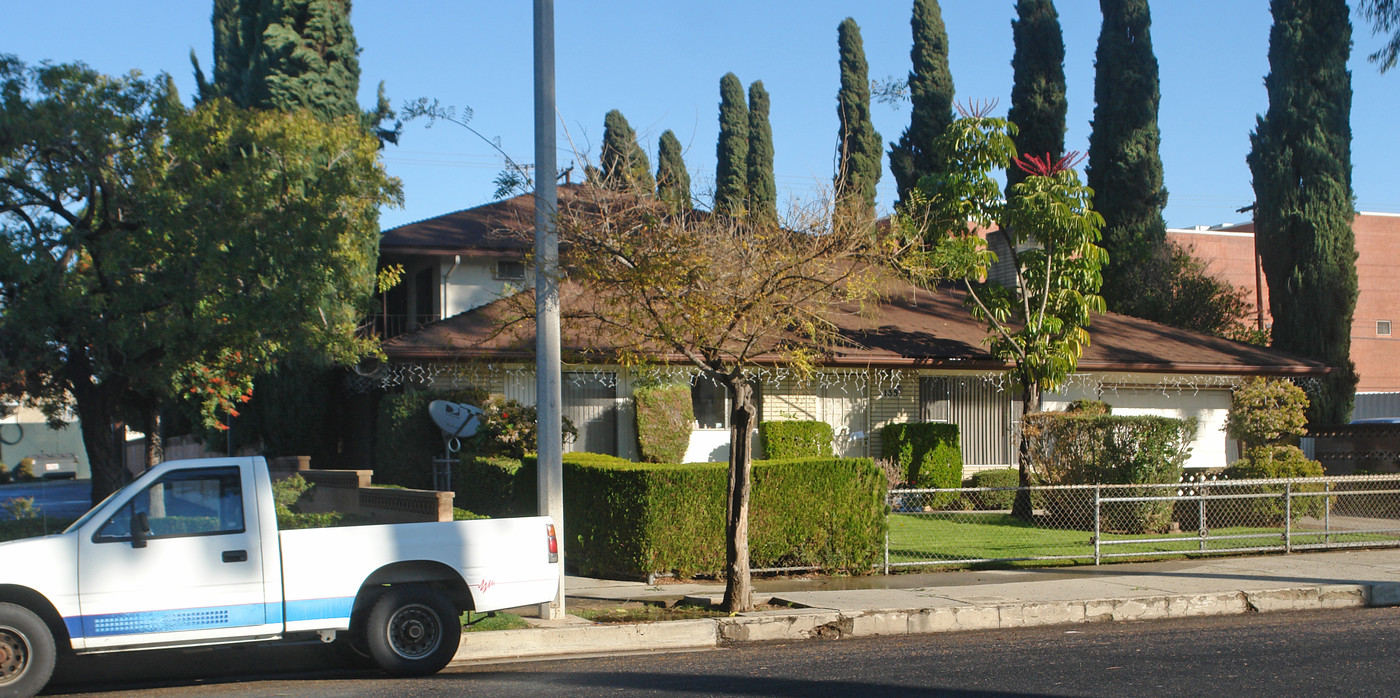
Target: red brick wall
1228,254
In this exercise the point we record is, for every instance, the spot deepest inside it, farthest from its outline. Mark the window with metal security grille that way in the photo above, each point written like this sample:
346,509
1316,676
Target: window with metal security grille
510,270
1383,328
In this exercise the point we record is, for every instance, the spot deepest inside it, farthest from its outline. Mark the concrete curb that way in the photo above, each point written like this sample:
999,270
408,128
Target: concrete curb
816,623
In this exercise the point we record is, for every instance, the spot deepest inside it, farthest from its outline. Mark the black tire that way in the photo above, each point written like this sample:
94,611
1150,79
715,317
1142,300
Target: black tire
412,631
27,652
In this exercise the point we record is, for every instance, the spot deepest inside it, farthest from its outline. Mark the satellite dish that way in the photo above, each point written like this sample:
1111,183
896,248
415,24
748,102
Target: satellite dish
455,419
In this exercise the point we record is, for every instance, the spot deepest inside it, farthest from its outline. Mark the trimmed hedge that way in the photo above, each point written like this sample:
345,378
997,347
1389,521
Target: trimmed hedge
1086,449
927,452
406,439
1000,477
487,485
664,417
795,439
631,519
628,520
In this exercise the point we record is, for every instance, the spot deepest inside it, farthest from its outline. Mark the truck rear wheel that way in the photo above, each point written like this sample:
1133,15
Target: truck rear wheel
413,631
27,652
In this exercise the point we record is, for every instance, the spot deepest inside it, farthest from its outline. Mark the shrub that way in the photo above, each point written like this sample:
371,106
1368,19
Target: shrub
406,439
1270,462
1089,408
4,474
24,470
509,428
459,514
664,418
1267,411
929,455
631,519
784,440
29,528
1080,449
1000,477
487,484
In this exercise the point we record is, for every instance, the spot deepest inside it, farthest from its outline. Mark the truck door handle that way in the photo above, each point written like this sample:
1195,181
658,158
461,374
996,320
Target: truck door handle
235,556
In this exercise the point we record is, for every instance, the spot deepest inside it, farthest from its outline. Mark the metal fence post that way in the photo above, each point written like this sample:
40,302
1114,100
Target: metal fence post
1288,518
1098,506
1327,514
1202,529
889,509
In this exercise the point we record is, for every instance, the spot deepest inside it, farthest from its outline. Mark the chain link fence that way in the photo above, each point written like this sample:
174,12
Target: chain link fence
1098,522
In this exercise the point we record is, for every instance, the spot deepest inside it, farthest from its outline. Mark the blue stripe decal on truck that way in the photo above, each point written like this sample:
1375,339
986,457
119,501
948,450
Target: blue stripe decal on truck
174,620
317,609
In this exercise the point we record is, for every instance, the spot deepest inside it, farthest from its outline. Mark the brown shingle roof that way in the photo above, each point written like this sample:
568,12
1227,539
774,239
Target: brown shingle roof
500,226
911,328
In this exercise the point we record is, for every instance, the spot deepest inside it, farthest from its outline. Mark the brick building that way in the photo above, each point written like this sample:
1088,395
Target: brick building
1228,252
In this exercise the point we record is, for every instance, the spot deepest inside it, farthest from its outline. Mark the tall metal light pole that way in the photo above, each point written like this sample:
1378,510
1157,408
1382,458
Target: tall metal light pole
548,398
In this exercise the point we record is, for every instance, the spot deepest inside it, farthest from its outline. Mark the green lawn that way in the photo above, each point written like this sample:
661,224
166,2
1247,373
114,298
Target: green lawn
945,536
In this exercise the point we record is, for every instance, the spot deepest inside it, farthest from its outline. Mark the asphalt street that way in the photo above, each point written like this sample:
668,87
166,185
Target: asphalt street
1344,652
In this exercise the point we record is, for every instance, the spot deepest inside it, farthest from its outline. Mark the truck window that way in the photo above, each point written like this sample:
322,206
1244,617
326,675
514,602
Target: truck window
200,501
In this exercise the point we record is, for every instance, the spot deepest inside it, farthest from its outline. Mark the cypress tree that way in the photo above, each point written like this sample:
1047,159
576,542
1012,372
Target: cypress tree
1300,158
859,151
931,94
731,173
1038,89
1125,169
763,192
623,162
672,180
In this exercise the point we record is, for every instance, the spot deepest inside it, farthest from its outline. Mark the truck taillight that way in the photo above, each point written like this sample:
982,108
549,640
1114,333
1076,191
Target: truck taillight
553,544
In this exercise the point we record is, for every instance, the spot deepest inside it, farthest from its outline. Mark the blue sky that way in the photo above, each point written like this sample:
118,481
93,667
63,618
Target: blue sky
660,64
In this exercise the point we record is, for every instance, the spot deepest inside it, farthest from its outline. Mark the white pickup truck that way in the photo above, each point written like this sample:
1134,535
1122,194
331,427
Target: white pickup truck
189,554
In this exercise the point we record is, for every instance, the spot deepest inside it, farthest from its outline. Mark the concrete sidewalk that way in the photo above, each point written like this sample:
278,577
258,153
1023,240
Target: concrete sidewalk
827,607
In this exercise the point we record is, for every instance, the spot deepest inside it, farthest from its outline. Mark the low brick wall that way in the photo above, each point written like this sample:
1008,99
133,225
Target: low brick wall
349,491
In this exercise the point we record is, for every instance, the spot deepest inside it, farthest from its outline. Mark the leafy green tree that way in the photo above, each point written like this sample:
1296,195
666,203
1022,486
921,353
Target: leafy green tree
858,152
731,174
1125,169
623,163
1267,412
1038,324
1385,17
1301,162
289,55
148,250
672,179
1038,102
931,93
763,192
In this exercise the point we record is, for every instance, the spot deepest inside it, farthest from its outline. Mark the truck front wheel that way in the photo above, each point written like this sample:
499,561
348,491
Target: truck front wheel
413,631
27,653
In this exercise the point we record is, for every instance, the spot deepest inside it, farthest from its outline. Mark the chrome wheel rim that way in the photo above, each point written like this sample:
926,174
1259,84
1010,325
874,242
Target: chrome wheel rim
415,631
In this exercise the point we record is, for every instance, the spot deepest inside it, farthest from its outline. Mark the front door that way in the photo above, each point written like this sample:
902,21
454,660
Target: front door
180,561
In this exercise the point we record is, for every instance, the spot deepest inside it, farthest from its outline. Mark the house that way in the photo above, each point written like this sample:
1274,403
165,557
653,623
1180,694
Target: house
1228,253
920,357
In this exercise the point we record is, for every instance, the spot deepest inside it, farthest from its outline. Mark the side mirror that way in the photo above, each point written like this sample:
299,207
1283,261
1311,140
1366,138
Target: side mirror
140,528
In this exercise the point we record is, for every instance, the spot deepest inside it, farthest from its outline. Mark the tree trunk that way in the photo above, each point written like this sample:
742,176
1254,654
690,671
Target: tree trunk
96,404
1022,508
738,587
155,441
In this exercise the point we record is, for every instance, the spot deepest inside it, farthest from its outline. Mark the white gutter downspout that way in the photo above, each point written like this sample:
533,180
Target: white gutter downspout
442,310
